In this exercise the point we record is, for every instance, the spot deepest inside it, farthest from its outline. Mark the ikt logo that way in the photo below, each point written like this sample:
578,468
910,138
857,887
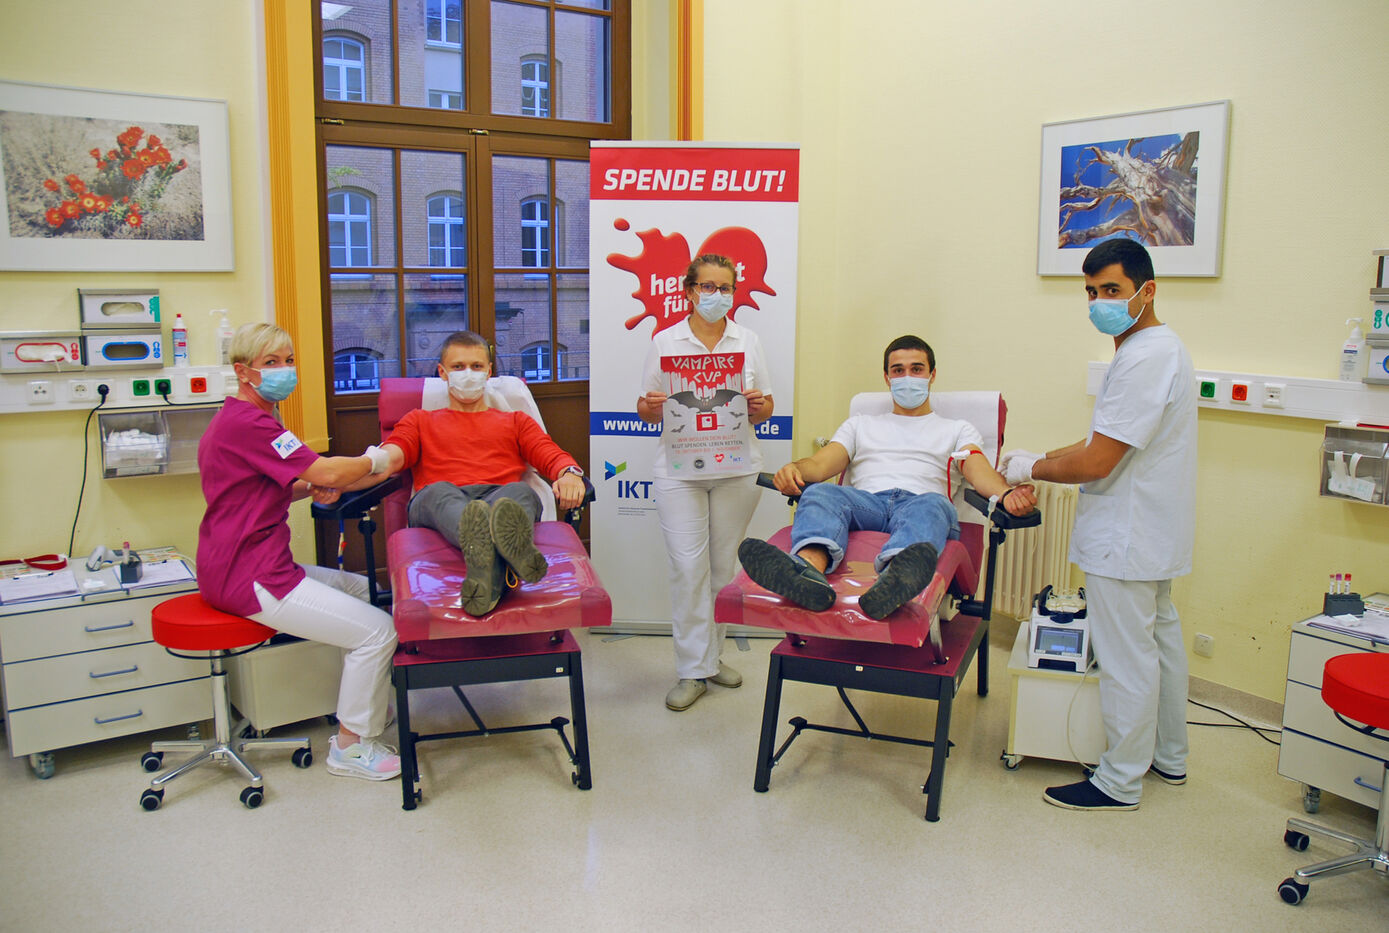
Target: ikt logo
627,488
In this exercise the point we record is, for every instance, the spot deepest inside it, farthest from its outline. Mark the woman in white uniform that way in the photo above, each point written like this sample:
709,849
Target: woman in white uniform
704,518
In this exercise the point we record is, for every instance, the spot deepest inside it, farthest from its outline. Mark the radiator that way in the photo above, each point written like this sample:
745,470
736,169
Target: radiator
1032,558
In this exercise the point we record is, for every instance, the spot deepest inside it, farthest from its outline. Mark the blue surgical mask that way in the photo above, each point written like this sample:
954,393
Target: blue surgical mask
910,391
276,384
1111,315
714,307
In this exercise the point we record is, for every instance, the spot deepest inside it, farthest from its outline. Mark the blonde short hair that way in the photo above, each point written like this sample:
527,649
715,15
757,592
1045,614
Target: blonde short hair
252,341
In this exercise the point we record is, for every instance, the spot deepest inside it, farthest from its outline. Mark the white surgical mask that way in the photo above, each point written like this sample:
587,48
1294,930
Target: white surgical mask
910,391
467,385
713,307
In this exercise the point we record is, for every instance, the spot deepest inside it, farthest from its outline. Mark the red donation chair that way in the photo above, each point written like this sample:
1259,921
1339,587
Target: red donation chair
1356,687
913,652
526,637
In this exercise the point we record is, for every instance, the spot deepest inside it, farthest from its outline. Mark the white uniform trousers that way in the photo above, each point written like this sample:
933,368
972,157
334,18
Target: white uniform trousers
331,606
1143,681
703,521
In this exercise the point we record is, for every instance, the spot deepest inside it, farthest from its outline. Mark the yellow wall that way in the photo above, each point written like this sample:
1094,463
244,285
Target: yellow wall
139,47
920,126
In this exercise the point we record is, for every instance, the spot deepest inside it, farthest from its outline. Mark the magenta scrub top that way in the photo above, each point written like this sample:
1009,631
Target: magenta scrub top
248,461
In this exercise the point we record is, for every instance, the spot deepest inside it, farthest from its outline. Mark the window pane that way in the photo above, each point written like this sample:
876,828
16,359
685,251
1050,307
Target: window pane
361,212
571,213
521,227
523,320
435,306
432,186
357,52
587,4
572,338
432,62
583,65
519,34
364,326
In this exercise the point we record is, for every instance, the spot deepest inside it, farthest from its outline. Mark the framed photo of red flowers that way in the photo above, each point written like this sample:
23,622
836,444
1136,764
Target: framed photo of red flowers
99,181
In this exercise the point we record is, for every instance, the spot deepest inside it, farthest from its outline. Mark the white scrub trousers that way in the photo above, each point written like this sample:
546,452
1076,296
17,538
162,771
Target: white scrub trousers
1143,681
331,606
703,521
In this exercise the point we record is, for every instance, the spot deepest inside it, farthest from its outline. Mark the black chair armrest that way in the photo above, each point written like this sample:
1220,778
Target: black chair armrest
358,502
765,481
1001,516
576,514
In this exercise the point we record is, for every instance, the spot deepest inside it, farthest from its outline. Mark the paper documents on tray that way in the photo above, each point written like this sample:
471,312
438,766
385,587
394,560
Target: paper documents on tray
160,573
1373,625
28,586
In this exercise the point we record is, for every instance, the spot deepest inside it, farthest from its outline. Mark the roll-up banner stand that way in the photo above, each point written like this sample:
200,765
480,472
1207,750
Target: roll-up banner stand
654,206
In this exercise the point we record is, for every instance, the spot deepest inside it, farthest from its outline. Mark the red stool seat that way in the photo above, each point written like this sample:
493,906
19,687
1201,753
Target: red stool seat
187,623
1357,687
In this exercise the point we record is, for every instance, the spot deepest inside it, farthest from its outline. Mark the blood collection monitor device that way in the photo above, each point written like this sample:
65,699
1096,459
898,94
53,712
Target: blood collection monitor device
1059,633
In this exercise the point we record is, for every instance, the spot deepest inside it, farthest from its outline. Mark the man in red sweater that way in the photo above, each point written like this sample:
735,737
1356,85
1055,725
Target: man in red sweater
468,460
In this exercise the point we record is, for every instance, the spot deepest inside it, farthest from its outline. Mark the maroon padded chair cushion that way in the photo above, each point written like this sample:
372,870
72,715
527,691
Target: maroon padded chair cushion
427,572
743,602
1357,687
187,623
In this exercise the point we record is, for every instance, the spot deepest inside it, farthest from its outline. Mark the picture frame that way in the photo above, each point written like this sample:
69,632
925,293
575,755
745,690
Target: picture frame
1102,177
101,181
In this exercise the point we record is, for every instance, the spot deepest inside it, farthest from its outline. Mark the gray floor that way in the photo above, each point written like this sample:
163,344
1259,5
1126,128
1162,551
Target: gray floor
672,836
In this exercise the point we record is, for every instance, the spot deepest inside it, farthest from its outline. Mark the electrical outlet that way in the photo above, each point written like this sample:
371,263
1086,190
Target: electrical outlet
82,390
197,385
1239,392
140,387
163,387
1204,645
41,392
1273,394
1206,388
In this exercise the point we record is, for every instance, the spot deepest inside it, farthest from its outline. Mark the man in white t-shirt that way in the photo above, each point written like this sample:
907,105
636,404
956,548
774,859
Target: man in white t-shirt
1135,526
896,482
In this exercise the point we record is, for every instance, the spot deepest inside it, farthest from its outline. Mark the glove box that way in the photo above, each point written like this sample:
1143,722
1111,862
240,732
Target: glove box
1355,463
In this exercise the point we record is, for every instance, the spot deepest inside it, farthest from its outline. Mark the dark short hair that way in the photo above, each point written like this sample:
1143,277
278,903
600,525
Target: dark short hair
910,342
1129,254
709,259
465,338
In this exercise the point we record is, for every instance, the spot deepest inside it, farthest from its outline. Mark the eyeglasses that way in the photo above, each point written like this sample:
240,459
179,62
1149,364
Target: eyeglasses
708,288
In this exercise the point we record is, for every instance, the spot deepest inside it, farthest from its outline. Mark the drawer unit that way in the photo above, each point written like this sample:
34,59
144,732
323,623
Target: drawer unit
1318,749
81,668
287,682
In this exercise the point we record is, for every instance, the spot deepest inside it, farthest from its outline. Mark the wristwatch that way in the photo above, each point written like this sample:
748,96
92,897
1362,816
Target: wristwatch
577,471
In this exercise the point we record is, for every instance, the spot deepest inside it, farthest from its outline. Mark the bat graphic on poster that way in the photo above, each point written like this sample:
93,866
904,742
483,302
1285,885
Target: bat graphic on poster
720,397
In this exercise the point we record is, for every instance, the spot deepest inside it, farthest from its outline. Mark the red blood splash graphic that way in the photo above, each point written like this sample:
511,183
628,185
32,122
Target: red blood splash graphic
664,257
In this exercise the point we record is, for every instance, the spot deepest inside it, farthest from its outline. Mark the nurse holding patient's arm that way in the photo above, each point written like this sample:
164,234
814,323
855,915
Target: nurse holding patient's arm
252,467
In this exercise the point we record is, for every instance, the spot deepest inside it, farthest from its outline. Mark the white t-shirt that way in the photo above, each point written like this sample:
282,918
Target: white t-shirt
1139,522
910,452
679,340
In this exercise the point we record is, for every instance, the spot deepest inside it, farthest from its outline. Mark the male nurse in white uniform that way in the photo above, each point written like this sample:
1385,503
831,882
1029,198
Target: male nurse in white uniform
1134,529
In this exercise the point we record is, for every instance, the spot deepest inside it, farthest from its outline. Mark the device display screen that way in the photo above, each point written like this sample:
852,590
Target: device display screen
1059,640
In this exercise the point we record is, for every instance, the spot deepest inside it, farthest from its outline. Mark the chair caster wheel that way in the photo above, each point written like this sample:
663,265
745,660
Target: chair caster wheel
252,797
1291,891
1010,762
151,799
151,761
1295,840
43,765
303,757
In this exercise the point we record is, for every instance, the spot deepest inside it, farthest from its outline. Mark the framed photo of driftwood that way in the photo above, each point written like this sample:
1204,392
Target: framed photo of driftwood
1157,176
100,181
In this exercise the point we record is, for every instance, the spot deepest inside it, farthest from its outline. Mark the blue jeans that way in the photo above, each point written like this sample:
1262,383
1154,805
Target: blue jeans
827,513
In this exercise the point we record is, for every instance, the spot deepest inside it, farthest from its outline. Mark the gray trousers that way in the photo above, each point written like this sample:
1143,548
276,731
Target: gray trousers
440,505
